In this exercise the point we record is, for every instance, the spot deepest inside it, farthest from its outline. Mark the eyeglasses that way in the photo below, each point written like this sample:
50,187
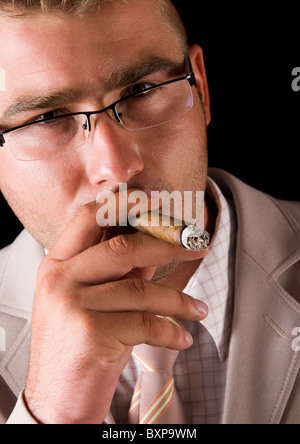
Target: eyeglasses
147,107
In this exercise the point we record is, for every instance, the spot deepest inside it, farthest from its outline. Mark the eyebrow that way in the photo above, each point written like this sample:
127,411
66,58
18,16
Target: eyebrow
119,79
34,102
115,80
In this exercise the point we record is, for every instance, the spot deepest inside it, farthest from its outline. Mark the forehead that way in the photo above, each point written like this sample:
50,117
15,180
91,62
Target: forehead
46,52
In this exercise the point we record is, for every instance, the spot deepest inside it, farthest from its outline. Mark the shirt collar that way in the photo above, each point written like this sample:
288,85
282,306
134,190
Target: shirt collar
213,282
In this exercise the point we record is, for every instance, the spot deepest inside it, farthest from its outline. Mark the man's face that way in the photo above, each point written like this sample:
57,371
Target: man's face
42,55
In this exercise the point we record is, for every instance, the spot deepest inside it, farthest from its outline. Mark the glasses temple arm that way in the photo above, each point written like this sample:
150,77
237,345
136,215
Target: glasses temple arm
2,140
189,71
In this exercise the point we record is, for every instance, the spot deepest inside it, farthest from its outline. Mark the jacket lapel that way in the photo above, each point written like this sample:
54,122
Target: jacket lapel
262,366
17,286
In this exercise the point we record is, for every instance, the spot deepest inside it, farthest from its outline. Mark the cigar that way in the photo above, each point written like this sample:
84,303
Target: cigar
171,230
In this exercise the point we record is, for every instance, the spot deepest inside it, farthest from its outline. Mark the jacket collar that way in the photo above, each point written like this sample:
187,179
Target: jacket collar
262,365
17,287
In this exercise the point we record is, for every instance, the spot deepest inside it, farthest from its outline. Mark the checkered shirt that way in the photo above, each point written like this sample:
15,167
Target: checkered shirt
200,371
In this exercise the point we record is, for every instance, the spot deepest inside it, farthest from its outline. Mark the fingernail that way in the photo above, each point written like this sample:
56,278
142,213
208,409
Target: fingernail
188,338
202,308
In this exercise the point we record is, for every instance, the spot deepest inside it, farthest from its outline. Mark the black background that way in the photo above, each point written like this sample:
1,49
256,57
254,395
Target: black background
250,52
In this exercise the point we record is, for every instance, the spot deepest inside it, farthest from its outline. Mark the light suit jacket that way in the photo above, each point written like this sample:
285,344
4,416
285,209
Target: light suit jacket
263,383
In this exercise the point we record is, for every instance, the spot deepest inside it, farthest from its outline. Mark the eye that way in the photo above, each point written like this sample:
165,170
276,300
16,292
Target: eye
137,89
45,116
49,117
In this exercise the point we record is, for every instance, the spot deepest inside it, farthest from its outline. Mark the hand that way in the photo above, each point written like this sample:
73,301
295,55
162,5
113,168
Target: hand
90,310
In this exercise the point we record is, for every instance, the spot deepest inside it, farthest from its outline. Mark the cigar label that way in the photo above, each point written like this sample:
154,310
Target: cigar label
171,230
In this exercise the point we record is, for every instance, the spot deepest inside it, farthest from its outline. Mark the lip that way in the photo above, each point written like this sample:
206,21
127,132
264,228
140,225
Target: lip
96,199
113,231
107,192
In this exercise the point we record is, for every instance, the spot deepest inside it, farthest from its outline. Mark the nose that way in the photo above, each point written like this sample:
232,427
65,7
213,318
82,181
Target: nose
112,154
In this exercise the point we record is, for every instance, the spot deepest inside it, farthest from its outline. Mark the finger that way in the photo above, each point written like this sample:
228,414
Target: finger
141,273
135,328
80,234
113,259
86,228
141,295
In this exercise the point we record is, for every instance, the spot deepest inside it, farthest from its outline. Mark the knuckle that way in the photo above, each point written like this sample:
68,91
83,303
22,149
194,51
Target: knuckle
137,287
121,245
88,323
54,288
50,283
184,300
152,325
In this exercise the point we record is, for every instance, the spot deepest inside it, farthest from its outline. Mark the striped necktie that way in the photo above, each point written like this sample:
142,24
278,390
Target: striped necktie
155,399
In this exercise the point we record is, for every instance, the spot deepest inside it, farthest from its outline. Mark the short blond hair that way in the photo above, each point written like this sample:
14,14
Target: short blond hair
21,8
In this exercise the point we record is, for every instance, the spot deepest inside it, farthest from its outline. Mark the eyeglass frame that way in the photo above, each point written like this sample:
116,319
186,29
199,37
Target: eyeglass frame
190,77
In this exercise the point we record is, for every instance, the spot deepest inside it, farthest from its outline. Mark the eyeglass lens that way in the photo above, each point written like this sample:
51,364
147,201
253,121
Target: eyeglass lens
58,136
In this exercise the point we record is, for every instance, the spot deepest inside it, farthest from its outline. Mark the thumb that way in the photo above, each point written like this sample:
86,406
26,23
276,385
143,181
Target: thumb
80,234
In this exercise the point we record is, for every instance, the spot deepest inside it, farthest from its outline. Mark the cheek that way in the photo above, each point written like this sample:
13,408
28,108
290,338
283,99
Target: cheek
161,145
41,196
26,180
39,187
177,147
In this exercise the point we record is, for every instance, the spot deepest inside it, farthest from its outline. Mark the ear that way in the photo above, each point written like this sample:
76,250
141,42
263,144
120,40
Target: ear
196,57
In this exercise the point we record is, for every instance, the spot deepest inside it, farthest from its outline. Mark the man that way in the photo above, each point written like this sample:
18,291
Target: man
95,294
